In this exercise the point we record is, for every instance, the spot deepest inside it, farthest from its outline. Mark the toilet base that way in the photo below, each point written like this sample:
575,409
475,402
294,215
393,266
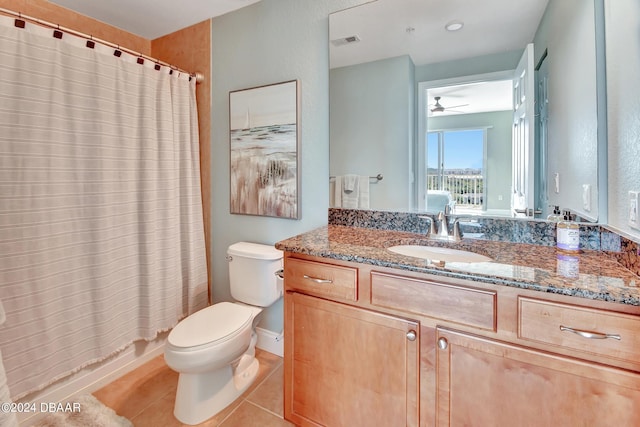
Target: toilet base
201,396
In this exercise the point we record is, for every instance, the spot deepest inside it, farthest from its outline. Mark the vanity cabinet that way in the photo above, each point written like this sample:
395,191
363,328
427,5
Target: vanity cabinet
368,346
483,382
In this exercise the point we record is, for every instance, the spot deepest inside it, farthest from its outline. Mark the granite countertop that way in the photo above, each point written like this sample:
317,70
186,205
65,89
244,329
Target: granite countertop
589,274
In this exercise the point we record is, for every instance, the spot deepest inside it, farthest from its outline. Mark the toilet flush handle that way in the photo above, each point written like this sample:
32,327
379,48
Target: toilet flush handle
280,273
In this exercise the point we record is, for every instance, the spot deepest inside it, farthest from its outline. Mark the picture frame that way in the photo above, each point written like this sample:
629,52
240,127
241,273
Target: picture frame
264,139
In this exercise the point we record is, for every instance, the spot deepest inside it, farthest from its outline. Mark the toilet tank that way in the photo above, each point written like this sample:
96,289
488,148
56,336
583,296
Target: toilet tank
252,273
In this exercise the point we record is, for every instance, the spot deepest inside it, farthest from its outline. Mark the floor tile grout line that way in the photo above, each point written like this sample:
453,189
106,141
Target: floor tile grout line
150,404
231,413
263,380
150,374
167,393
265,409
245,399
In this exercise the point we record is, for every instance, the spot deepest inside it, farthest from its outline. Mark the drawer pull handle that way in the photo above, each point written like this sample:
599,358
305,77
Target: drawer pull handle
590,335
315,279
411,335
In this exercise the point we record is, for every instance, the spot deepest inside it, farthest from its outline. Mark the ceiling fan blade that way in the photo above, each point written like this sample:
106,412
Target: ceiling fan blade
455,106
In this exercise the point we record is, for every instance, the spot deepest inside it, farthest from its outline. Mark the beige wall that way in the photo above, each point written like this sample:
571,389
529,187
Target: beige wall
190,49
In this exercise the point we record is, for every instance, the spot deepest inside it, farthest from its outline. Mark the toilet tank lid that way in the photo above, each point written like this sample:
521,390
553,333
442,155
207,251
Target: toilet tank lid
254,250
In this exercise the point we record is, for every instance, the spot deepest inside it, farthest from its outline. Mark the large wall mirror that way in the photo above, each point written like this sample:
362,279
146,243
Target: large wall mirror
432,97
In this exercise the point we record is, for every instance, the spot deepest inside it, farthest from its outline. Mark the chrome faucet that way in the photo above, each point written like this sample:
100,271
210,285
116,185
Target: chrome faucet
443,225
432,225
441,232
457,235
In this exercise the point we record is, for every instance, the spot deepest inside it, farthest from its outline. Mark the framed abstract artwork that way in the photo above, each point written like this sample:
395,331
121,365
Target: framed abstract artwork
264,150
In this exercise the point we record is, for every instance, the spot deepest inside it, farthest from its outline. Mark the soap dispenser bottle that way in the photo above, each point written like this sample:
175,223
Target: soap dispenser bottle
568,234
556,216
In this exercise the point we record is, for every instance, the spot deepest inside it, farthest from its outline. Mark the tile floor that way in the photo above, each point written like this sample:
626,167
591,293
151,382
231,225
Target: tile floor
146,396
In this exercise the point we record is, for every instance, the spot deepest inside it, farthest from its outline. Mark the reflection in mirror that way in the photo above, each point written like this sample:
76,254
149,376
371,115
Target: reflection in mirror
468,144
387,67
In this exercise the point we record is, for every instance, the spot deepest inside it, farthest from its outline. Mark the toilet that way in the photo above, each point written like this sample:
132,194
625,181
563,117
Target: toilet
213,349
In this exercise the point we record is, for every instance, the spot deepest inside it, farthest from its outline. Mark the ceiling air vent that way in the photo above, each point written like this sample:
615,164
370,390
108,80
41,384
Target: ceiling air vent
345,40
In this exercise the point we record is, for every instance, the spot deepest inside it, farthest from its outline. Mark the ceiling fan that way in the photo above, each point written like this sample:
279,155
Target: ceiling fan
439,108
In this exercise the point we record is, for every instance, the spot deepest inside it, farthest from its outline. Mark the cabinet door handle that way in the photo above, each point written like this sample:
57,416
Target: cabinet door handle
590,335
315,279
411,335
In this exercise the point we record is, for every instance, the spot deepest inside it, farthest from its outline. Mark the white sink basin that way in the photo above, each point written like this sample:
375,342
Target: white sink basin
434,253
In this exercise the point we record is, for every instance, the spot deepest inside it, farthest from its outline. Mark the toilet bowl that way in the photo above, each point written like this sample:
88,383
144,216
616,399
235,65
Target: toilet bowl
213,349
209,360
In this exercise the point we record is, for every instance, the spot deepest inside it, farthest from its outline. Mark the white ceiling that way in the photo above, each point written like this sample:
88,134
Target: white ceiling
153,18
490,26
471,98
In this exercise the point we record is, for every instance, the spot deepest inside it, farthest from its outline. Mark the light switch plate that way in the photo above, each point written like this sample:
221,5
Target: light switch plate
633,210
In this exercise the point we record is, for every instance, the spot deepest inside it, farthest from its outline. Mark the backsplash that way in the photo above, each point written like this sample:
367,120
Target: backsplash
379,220
592,236
486,228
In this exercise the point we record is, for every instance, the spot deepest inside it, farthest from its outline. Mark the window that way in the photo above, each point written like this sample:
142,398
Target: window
455,166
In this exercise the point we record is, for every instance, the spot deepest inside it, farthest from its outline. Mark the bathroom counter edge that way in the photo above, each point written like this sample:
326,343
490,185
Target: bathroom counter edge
589,274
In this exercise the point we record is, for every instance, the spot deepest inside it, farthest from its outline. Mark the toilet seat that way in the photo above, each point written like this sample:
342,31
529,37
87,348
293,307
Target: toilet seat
211,325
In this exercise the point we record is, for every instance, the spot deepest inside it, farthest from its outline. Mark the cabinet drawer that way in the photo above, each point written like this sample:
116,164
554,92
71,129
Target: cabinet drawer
598,332
320,279
455,303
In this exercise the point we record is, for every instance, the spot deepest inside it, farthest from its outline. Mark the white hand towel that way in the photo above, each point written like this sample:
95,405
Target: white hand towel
363,192
335,192
350,193
350,184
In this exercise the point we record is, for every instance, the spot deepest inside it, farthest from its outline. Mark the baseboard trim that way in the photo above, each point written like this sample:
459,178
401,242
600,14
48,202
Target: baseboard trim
270,341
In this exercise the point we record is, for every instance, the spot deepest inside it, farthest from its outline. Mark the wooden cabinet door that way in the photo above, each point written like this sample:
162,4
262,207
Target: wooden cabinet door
481,382
345,366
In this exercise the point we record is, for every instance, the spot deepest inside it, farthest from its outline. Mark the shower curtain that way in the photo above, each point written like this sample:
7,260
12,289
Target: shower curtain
101,232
